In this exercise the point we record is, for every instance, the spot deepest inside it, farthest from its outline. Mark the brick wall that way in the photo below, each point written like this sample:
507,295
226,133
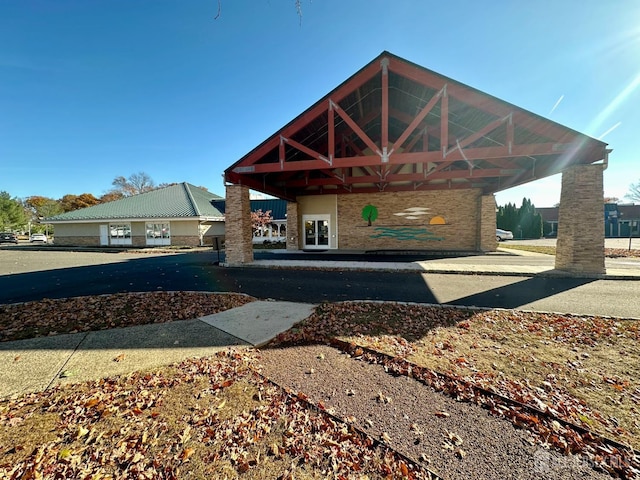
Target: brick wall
186,240
77,241
580,246
405,220
238,233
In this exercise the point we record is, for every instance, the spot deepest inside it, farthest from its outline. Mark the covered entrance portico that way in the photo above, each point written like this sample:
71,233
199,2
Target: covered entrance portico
400,157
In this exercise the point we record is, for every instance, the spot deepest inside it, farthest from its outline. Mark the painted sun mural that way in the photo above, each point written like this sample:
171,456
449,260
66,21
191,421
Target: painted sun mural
407,232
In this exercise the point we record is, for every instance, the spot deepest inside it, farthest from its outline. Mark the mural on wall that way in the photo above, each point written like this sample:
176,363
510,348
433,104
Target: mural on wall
370,214
404,232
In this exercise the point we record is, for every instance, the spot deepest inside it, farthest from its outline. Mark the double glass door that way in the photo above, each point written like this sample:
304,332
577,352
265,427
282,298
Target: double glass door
316,232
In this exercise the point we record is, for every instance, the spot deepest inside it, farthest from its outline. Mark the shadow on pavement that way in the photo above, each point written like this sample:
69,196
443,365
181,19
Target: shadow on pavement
521,293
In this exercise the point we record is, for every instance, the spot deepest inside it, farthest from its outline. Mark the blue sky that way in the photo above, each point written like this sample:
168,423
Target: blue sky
94,89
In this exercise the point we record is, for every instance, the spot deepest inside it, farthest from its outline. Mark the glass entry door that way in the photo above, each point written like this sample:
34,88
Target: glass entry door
316,232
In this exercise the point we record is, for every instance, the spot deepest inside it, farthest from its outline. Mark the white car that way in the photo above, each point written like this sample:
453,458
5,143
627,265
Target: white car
502,235
38,237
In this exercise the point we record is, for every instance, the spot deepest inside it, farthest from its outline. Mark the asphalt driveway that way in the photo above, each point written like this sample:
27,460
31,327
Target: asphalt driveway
34,275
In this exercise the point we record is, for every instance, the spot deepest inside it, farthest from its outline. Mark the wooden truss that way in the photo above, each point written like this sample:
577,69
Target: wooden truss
395,126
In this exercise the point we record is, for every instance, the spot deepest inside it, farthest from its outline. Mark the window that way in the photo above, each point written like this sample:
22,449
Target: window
120,233
158,234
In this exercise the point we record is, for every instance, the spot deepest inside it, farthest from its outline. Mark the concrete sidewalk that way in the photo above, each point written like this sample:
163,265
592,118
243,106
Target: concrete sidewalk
504,262
40,363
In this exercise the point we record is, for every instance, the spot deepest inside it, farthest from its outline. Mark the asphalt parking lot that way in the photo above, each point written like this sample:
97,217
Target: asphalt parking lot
27,275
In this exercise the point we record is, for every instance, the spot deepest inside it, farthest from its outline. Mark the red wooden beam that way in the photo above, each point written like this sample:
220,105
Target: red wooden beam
257,185
358,131
481,133
416,121
304,149
444,122
332,134
346,88
482,101
384,143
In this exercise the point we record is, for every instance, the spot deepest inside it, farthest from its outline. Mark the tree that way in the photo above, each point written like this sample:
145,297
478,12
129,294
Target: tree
507,217
110,197
634,192
74,202
12,214
136,183
41,208
524,222
260,220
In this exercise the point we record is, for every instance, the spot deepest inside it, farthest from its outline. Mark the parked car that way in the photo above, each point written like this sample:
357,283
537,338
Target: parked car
502,235
38,237
8,237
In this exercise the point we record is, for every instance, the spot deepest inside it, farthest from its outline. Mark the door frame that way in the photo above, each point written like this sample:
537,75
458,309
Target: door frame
104,235
316,218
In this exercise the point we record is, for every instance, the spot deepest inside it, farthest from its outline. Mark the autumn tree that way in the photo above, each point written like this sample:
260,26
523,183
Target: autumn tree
43,207
12,214
110,197
72,202
134,184
260,221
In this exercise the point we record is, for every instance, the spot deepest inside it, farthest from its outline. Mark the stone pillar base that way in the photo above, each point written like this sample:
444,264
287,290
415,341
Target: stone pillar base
487,218
580,246
293,242
238,229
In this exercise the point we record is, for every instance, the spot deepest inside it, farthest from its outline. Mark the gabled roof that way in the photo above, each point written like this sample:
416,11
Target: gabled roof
395,125
182,200
277,207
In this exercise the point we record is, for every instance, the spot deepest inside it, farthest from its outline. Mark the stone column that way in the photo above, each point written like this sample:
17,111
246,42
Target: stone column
292,226
237,224
487,228
580,247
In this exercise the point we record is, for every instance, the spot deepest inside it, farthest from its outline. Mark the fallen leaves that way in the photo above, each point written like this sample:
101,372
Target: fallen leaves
80,314
147,435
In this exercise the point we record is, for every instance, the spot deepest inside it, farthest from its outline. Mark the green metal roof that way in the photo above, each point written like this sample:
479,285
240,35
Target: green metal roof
182,200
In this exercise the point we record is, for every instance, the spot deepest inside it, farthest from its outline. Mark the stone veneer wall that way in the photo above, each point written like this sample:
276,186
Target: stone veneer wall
487,225
293,230
185,240
580,246
238,233
77,241
136,241
459,209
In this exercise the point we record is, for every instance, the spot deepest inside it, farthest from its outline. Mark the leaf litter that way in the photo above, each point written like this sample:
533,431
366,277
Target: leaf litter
403,331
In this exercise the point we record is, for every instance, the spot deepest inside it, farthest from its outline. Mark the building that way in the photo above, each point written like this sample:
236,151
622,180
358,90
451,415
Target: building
620,220
180,214
276,230
401,157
